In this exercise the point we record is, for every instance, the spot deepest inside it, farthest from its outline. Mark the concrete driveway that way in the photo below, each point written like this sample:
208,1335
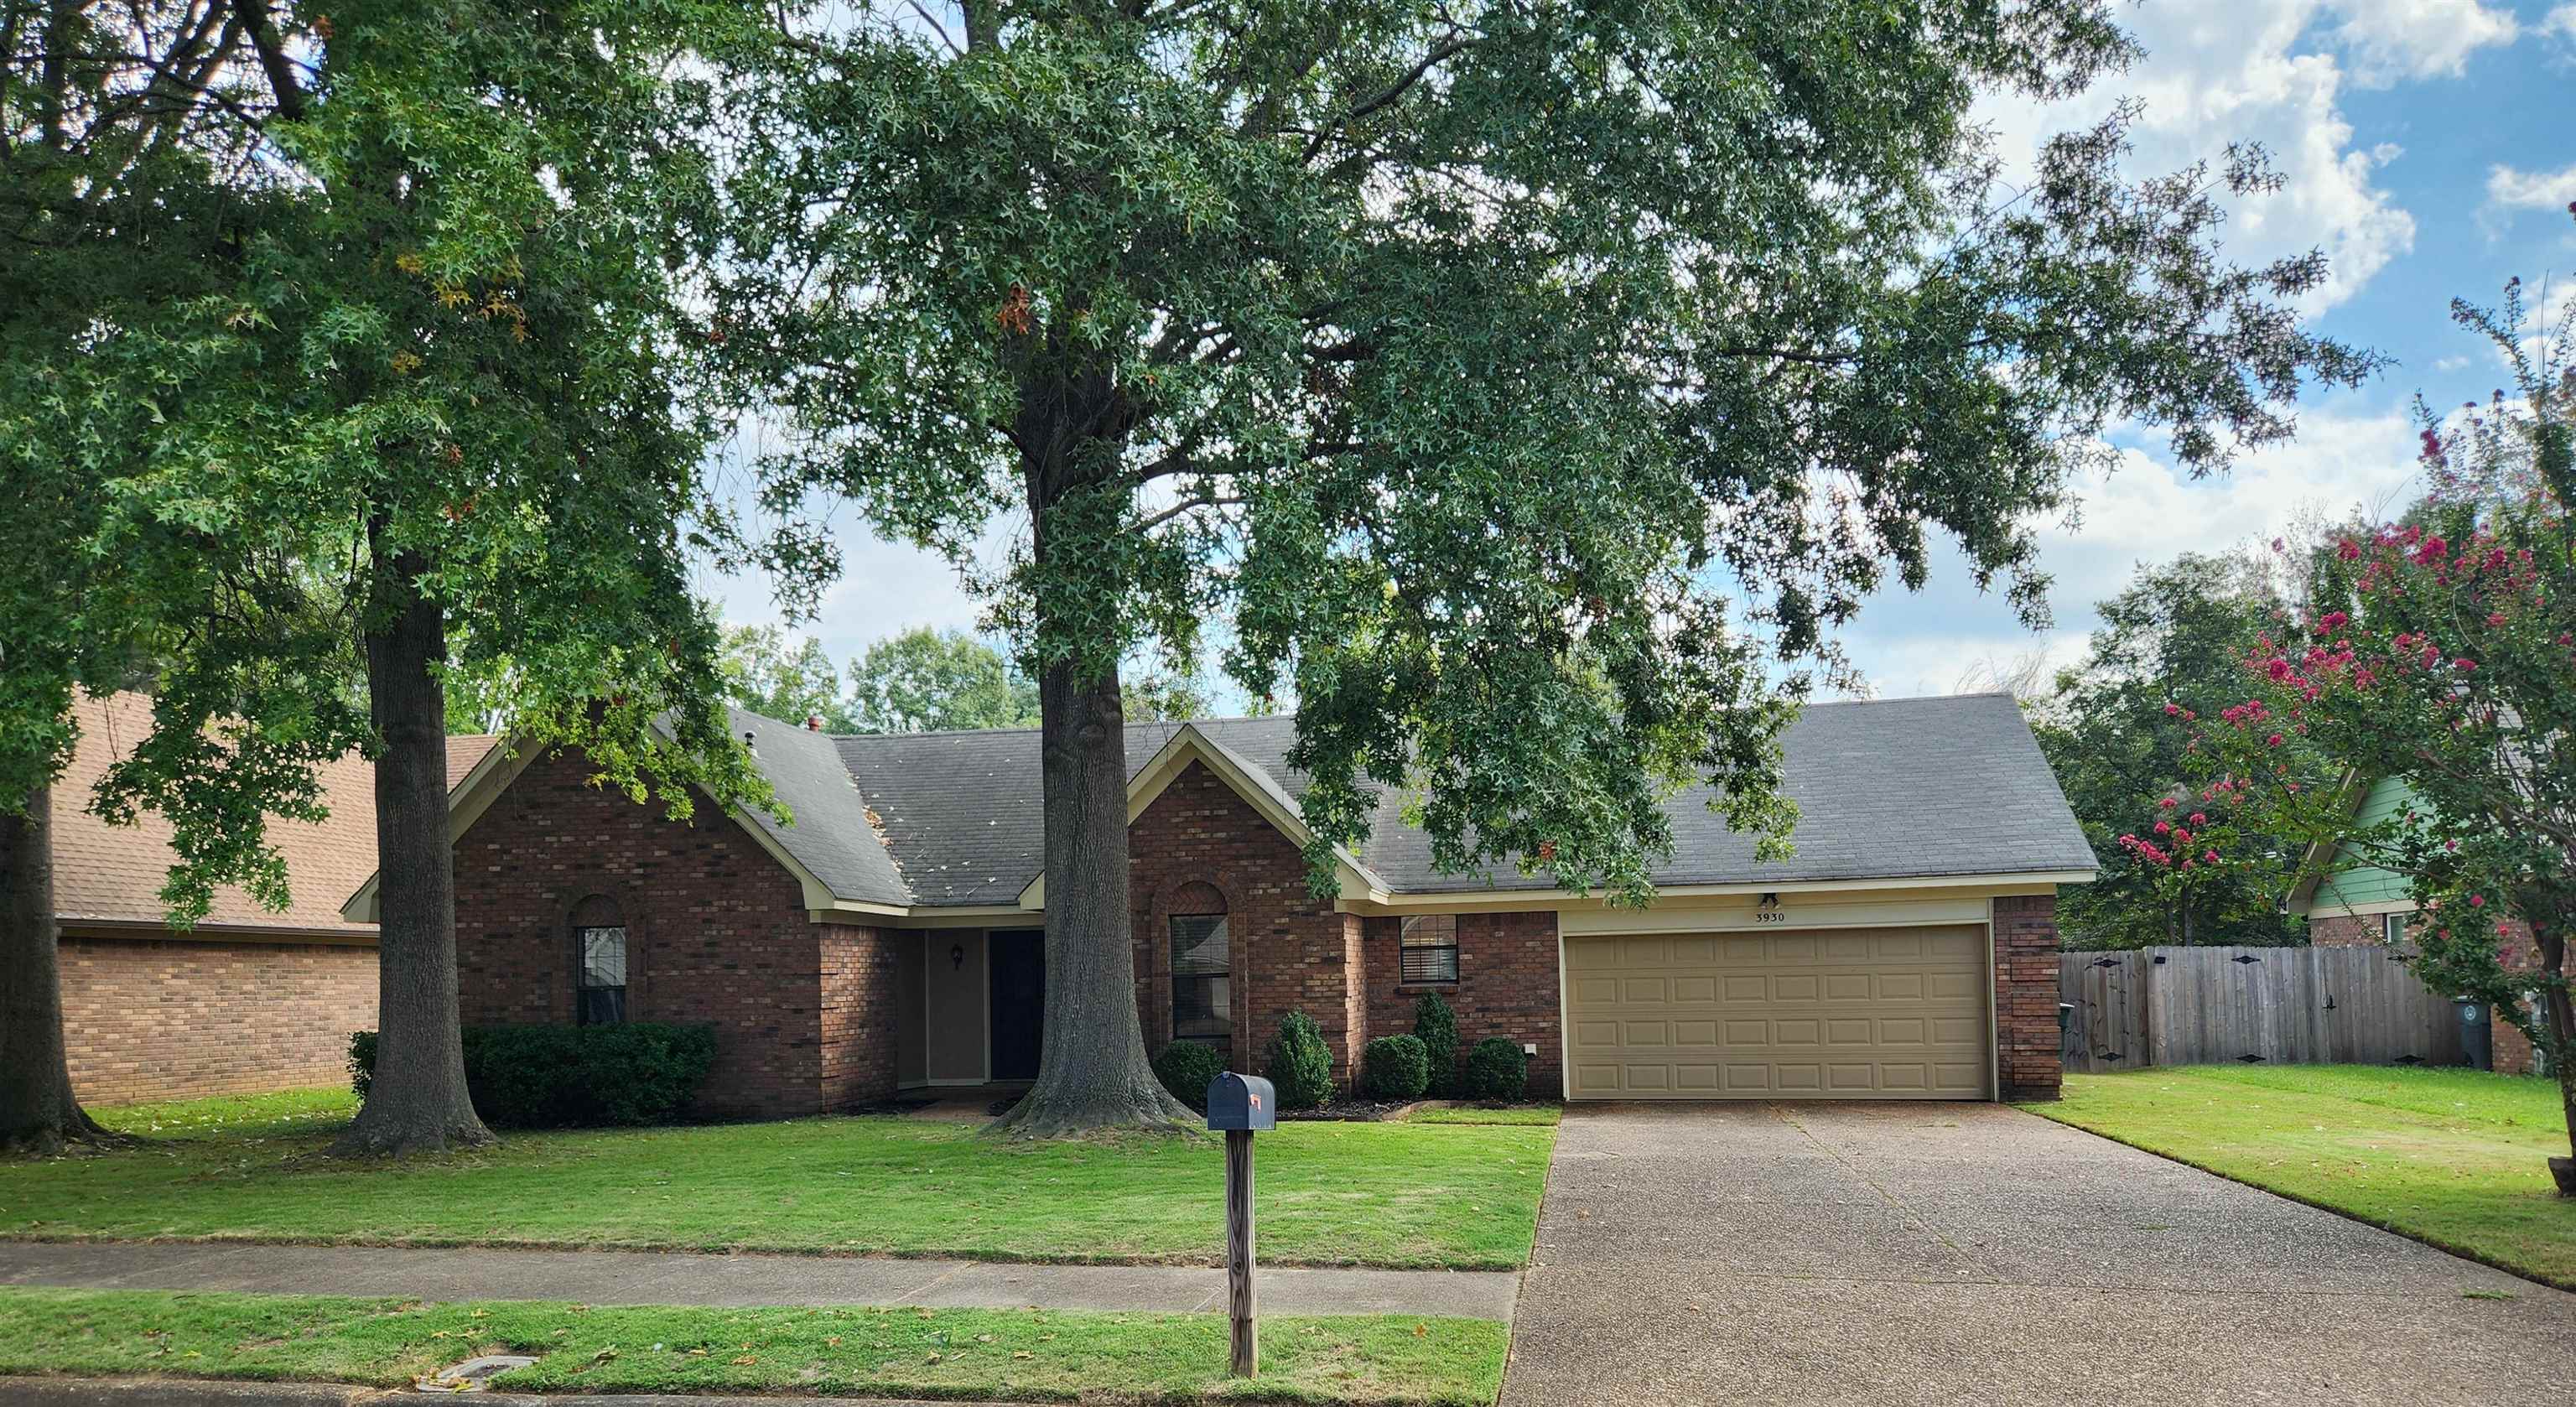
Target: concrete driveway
1969,1253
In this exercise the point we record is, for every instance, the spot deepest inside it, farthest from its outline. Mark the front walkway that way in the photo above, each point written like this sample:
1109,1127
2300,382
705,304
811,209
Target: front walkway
1971,1253
650,1277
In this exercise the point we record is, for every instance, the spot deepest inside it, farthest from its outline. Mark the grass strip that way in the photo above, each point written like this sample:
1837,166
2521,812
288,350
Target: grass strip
2453,1158
1407,1196
1009,1355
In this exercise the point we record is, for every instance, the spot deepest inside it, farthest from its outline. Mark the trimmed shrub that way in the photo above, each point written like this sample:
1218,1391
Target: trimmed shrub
1396,1067
1185,1068
538,1077
1300,1065
1437,1025
1497,1069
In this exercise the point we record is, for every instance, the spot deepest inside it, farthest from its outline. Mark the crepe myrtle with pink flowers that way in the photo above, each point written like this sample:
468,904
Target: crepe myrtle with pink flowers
2440,651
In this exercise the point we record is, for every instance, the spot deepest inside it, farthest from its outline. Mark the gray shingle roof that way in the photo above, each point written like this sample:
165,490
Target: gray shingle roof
1894,789
830,835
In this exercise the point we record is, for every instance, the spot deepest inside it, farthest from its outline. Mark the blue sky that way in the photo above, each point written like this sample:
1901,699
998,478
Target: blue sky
2427,147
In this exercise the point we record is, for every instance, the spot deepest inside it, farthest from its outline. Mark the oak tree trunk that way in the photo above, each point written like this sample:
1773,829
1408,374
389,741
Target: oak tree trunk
37,1111
1092,1068
2558,1018
416,1101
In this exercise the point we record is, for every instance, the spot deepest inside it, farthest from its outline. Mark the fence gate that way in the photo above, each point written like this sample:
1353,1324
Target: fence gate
2207,1006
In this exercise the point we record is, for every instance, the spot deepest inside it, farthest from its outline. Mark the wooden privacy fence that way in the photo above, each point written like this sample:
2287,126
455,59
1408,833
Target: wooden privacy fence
2209,1006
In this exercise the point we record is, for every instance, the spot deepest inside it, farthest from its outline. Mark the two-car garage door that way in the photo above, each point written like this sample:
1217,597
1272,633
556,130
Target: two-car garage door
1865,1013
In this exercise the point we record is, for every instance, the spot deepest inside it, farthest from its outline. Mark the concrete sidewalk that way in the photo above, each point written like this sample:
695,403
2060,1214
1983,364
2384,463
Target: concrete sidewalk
652,1277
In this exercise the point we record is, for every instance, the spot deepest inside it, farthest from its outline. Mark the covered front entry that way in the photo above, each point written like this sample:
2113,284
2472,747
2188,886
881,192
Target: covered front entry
1860,1013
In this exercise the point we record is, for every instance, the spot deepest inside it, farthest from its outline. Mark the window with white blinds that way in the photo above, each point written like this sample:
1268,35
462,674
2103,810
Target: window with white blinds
1430,948
1202,966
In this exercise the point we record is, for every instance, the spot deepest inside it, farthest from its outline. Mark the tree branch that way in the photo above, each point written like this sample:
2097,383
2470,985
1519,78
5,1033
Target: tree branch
282,82
1440,53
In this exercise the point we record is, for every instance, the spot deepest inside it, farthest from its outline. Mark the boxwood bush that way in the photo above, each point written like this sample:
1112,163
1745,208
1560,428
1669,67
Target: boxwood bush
1437,1025
536,1077
1300,1065
1497,1069
1185,1068
1396,1067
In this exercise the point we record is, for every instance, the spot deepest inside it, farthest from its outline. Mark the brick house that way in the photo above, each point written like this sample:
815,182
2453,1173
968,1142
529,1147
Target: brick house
246,1000
893,936
2349,902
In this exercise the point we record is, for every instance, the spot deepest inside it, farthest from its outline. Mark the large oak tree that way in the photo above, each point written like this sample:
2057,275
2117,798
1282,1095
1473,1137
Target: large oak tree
118,199
1517,379
425,423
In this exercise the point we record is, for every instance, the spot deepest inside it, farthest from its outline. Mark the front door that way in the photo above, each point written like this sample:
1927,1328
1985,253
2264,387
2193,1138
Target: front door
1016,961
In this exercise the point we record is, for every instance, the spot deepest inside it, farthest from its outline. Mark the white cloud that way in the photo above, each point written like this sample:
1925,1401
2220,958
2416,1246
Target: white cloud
2142,511
2561,25
2221,71
2395,39
2511,189
2139,512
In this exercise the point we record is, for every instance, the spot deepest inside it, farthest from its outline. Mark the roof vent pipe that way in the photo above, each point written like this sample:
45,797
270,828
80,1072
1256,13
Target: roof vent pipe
751,742
813,723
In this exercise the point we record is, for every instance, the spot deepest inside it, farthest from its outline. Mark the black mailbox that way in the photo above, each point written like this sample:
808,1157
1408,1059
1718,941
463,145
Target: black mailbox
1241,1103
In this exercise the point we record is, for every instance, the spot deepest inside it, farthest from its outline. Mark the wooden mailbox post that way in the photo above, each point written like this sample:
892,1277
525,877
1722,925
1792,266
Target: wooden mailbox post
1240,1106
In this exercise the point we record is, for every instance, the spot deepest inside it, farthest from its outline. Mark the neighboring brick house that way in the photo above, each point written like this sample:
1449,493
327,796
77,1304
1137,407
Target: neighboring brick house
246,1000
892,936
2350,902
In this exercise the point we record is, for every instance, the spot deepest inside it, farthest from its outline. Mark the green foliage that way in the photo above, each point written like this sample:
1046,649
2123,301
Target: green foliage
1165,697
1437,1026
1299,1064
1497,1069
2439,652
932,680
362,1062
1186,1068
1381,335
2178,634
765,674
537,1077
387,317
1396,1067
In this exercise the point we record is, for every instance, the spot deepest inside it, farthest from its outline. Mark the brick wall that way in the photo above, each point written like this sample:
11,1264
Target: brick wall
1507,974
2026,1035
717,932
859,985
1289,950
2339,930
182,1019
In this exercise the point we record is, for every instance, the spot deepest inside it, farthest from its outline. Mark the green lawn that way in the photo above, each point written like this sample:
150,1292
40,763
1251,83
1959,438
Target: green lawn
916,1353
1328,1193
2457,1158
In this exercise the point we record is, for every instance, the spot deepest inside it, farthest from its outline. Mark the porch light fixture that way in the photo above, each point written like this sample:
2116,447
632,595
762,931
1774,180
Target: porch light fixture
957,956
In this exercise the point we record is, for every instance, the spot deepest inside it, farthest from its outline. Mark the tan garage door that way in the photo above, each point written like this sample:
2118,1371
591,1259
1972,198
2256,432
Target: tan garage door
1867,1013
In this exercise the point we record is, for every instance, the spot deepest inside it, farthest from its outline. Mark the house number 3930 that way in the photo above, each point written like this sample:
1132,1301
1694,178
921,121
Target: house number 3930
1770,916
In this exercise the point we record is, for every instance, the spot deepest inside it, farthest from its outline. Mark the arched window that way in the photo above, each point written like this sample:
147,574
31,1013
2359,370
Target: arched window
1202,967
599,949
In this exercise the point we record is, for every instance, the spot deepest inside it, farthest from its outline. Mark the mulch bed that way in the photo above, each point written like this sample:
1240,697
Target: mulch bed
1355,1111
